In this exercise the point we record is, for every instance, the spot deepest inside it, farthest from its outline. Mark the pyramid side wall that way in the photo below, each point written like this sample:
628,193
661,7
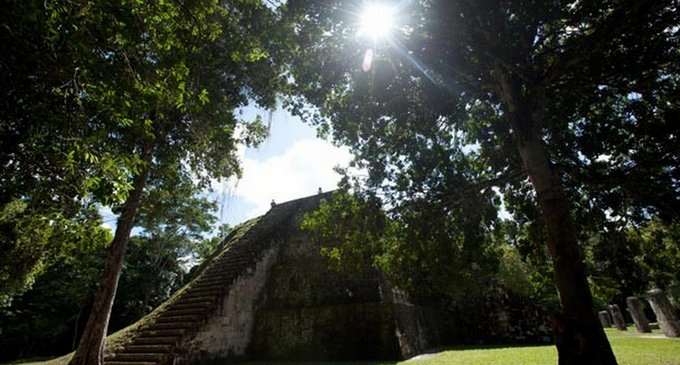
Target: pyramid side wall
314,312
227,334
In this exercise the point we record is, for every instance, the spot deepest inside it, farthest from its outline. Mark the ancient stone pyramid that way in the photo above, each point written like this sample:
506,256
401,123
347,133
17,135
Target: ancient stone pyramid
266,294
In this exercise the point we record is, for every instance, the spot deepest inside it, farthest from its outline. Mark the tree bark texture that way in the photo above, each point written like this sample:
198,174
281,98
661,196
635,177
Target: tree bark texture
636,307
569,270
91,347
665,313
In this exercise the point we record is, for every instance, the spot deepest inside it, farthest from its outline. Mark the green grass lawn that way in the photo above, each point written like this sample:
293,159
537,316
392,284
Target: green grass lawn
631,348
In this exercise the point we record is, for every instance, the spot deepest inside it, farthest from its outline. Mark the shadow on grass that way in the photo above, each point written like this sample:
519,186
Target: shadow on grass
487,347
320,363
433,351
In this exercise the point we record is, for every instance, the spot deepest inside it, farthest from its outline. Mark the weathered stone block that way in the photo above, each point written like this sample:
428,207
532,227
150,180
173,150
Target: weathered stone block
617,317
636,309
227,334
348,332
605,319
665,314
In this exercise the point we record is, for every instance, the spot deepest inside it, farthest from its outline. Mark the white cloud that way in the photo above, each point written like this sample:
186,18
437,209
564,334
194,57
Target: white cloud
303,168
603,158
109,219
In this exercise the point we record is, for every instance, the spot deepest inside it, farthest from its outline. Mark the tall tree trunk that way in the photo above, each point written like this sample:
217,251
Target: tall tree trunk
570,277
91,347
569,271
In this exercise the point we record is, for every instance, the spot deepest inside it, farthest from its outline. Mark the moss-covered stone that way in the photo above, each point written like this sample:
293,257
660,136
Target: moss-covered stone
311,311
349,332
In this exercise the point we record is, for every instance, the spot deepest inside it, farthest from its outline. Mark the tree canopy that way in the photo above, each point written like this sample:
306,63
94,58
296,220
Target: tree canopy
432,96
48,319
564,113
103,96
567,108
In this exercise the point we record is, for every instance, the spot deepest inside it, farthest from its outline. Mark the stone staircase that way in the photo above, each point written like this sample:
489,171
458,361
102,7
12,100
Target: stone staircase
154,342
157,339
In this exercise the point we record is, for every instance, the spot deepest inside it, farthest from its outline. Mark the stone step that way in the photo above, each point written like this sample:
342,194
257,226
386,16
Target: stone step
192,300
244,247
152,348
232,264
240,247
206,281
219,275
200,285
215,279
172,325
252,249
182,306
238,258
209,279
161,333
154,341
203,283
233,254
198,298
239,252
226,270
183,312
181,318
234,257
144,357
154,344
201,294
227,266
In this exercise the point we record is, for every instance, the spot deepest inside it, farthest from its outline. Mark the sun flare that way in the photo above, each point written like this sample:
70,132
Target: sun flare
376,20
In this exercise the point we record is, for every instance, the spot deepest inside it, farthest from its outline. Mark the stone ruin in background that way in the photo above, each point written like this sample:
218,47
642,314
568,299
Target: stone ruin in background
268,294
665,314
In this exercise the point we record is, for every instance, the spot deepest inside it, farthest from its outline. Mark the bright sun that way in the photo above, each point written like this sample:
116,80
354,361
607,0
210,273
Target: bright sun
376,20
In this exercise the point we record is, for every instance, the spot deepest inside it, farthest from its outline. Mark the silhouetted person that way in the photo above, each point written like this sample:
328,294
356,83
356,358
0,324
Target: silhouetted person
273,203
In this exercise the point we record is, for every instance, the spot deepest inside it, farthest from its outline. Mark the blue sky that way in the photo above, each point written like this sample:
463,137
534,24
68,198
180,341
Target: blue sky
290,164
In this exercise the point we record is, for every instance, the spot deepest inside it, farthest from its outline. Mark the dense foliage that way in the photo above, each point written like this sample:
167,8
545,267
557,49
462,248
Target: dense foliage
567,108
427,122
49,318
432,258
620,264
103,97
